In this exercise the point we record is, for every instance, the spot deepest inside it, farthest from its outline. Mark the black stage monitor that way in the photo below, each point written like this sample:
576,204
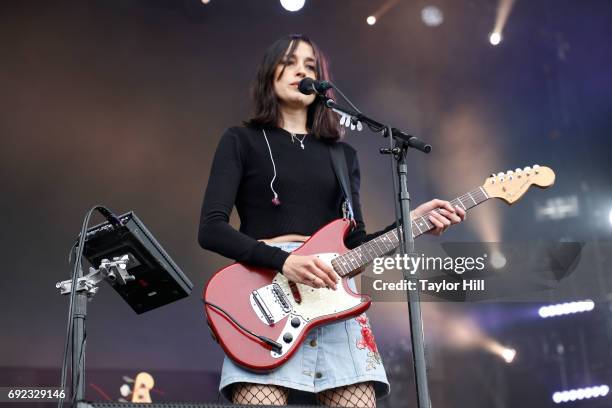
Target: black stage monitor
157,279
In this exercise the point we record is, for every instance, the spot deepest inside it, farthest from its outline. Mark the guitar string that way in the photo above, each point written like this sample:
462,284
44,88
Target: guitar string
474,195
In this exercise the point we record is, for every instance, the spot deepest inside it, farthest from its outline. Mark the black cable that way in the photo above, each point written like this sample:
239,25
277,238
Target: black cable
78,376
346,99
277,347
69,327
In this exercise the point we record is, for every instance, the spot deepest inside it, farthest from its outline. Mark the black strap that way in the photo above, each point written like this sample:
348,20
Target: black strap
338,159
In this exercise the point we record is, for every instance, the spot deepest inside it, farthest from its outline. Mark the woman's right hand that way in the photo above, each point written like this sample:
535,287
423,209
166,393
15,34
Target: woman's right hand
310,270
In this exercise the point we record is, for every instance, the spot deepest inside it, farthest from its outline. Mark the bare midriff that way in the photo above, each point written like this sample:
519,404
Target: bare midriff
286,238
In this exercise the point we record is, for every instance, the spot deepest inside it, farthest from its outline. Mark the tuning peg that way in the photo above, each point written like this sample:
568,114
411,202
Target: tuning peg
125,390
536,166
359,126
510,174
527,170
342,120
352,126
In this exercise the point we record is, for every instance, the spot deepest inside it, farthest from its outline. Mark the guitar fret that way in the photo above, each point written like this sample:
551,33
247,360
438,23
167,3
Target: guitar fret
375,247
387,243
376,242
362,258
418,227
470,194
484,193
337,266
353,260
344,265
426,222
372,249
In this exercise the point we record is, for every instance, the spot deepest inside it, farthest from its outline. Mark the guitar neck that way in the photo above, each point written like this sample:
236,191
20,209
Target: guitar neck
349,264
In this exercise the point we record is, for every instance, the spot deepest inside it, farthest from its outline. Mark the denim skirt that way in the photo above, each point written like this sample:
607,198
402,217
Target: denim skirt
331,356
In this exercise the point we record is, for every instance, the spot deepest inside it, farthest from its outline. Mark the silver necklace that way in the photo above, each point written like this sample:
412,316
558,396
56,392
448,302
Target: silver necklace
294,137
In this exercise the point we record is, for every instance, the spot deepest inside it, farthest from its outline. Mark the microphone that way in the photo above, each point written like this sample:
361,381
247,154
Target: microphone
309,86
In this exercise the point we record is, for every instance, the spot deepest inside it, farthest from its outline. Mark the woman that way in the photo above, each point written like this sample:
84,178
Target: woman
277,171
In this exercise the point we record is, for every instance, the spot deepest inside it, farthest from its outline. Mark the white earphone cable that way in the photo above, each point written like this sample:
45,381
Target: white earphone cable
273,165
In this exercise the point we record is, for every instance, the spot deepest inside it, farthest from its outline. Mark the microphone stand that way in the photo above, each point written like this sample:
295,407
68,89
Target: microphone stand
400,142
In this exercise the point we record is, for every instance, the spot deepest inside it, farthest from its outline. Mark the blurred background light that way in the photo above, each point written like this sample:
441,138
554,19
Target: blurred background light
562,309
292,5
432,16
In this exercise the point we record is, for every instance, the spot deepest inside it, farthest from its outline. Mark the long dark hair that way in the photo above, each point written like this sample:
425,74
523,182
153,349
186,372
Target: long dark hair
321,121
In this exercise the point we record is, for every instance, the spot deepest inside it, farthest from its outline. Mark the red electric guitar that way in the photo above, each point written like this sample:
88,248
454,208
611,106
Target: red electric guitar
260,318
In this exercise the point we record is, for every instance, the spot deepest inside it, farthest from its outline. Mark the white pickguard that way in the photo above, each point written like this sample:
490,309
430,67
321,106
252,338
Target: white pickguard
315,303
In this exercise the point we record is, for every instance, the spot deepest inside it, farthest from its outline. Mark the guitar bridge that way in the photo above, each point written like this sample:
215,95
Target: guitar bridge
281,297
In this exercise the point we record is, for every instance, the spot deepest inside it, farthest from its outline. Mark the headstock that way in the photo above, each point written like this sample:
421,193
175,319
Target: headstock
511,185
140,392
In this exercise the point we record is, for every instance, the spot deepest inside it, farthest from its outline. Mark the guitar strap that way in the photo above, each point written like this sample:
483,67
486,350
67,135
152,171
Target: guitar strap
338,159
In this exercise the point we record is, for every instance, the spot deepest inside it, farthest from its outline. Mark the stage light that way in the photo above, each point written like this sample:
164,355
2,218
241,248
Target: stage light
563,309
558,208
432,16
495,38
498,260
495,347
508,355
205,1
504,7
610,217
386,6
292,5
580,394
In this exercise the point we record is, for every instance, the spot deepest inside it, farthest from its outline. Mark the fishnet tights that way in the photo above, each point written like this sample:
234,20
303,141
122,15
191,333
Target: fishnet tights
259,394
359,395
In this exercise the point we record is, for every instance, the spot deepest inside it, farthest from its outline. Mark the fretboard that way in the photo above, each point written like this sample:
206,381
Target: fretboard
348,263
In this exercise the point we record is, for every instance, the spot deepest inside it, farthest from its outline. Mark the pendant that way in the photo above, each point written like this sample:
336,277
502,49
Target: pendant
302,145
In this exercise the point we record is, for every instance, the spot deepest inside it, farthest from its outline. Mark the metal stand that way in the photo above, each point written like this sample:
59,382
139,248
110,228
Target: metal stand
399,152
114,272
402,142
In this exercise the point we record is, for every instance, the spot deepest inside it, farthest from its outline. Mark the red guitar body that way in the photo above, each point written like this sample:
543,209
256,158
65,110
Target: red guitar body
264,302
